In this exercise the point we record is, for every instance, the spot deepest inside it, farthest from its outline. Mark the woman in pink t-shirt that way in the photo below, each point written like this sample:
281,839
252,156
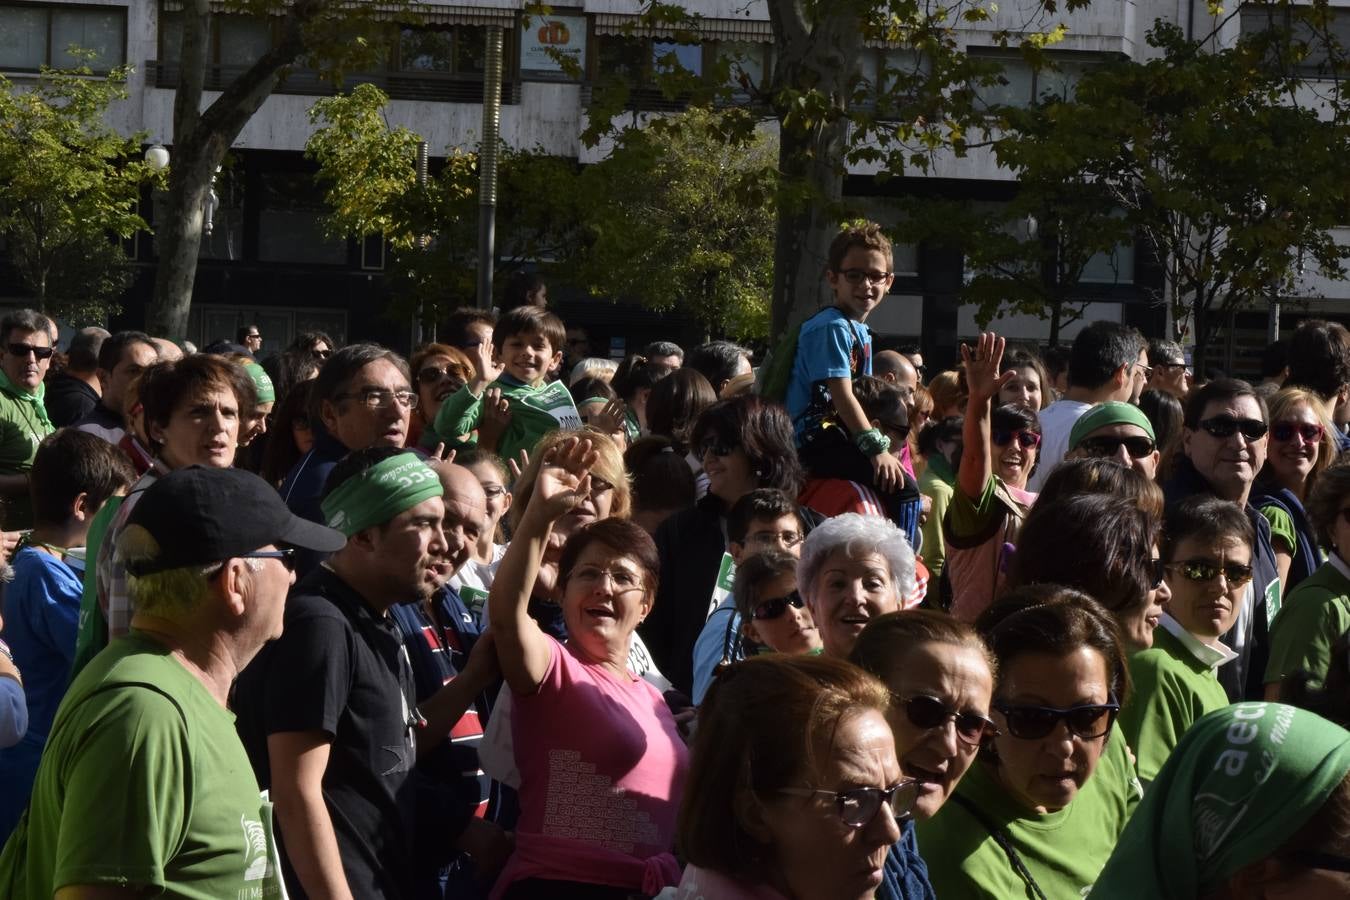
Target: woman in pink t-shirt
601,761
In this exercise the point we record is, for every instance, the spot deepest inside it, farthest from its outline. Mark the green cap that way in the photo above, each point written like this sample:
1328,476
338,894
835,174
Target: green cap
1113,412
262,384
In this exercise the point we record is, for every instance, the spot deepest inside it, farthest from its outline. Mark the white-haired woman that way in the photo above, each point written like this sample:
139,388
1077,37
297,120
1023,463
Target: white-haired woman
853,568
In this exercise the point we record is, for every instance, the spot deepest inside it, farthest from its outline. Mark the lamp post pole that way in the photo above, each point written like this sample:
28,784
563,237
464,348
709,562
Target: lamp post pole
487,165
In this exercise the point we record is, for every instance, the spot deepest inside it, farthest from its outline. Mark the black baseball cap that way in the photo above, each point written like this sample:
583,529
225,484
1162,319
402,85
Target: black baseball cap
200,516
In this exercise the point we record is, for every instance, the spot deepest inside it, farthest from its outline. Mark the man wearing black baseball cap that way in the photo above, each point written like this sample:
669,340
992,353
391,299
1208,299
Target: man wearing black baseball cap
144,785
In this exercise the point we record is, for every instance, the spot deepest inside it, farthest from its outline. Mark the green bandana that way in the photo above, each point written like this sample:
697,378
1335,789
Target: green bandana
1113,412
1240,783
262,384
34,399
380,493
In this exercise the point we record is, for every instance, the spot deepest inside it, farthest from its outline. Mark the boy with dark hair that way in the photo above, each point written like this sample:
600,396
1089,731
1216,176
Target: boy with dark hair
526,345
73,475
834,347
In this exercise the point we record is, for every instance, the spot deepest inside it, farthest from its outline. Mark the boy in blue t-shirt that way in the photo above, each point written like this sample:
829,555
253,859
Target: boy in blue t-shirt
834,347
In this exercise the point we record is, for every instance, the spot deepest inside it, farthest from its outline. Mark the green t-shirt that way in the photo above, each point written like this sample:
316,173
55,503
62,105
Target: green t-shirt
534,413
1315,615
1282,527
1064,850
93,628
936,482
143,783
1172,689
23,425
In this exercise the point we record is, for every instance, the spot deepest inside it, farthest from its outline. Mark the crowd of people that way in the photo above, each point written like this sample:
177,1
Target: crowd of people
506,620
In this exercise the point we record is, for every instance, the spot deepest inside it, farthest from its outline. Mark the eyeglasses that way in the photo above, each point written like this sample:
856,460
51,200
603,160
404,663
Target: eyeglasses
924,711
1157,571
1285,431
774,607
433,374
715,447
1171,365
1031,723
859,806
767,538
285,554
1147,370
1202,570
622,579
599,485
25,349
493,491
381,399
1138,446
900,431
858,276
1227,426
1025,439
323,354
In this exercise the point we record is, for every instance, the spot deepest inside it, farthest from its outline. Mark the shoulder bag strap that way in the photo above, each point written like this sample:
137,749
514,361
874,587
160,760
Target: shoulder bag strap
1003,840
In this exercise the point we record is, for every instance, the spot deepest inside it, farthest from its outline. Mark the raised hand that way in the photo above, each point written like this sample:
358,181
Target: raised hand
610,419
564,479
982,364
486,366
496,416
518,467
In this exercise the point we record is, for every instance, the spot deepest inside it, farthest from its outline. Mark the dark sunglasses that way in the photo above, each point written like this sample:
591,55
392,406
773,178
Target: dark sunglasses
1285,431
1204,570
1227,426
860,805
1157,571
1137,446
25,349
900,431
924,711
431,374
1031,723
775,606
715,447
1025,439
285,554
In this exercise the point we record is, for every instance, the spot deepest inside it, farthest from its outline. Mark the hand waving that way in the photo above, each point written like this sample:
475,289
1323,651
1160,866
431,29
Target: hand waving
982,364
486,366
564,479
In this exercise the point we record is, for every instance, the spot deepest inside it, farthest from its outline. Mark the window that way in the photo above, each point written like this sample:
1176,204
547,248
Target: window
36,36
242,41
747,61
1019,84
462,48
290,226
667,54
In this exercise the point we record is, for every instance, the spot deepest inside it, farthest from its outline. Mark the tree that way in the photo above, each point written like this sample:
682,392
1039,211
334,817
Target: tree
69,188
334,35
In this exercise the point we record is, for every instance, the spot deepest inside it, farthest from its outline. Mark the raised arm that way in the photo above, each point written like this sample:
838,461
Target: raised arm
983,382
563,482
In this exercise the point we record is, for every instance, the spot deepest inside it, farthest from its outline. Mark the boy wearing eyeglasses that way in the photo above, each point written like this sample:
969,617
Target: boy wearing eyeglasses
834,347
1207,548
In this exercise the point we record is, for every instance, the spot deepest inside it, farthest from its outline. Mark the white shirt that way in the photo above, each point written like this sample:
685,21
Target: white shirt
1057,420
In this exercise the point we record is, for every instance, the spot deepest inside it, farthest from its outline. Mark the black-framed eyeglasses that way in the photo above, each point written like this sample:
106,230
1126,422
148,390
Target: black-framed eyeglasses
382,399
1031,723
285,554
1309,431
25,349
1227,426
1202,570
1025,439
858,276
323,354
900,431
1138,446
927,712
716,447
1171,365
859,806
773,607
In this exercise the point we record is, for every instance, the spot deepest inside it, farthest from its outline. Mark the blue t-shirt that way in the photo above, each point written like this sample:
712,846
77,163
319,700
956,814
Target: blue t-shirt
829,345
717,641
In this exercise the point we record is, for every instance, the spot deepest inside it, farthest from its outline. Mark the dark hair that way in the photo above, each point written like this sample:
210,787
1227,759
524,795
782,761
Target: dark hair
662,478
341,368
880,399
69,463
1078,477
84,349
289,369
763,722
949,429
165,385
457,326
354,464
676,403
1325,501
1220,390
1053,620
588,387
518,290
1022,358
763,503
1164,414
1056,361
1205,518
1160,349
114,347
243,333
309,341
636,373
717,361
1319,357
1099,544
1274,358
1014,418
663,348
867,235
764,431
281,453
23,320
1099,350
529,320
753,572
619,535
887,638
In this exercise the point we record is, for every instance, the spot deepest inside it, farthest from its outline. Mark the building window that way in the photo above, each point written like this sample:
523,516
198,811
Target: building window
1019,85
35,36
290,222
459,49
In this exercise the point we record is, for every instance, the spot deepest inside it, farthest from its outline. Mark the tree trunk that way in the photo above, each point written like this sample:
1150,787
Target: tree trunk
179,241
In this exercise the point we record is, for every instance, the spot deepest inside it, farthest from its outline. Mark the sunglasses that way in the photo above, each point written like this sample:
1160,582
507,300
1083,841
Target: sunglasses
1137,446
859,806
900,431
715,447
432,374
1227,426
1285,431
774,607
1157,571
1202,570
285,554
25,349
1025,439
928,712
1031,723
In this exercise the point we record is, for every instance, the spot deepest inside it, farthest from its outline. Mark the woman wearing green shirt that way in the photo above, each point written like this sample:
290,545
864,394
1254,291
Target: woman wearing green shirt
1207,543
1039,813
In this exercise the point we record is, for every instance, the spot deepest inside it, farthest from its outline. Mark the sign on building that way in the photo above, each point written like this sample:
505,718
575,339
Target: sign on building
547,41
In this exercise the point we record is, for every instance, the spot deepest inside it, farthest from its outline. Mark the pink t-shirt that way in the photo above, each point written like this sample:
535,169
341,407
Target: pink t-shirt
602,764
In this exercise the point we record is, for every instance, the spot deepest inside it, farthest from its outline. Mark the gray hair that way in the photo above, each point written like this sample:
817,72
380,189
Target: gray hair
858,535
593,367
